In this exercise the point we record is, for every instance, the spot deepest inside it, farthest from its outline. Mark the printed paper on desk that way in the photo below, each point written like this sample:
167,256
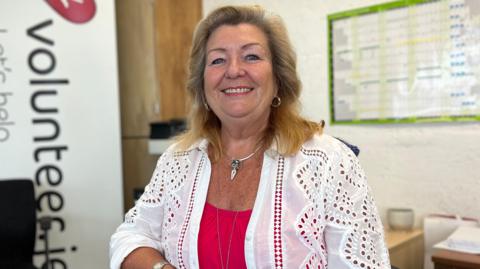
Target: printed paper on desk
437,228
464,239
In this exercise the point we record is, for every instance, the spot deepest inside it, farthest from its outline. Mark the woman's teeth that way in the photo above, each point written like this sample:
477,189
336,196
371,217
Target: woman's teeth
237,90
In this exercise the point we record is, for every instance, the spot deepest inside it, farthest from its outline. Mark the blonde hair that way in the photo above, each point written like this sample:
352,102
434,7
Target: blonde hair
286,127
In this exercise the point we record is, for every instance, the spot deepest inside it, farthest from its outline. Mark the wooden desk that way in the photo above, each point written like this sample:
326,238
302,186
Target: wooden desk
445,259
405,248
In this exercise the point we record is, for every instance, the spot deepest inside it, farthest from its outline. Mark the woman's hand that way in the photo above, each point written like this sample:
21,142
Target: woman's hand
144,258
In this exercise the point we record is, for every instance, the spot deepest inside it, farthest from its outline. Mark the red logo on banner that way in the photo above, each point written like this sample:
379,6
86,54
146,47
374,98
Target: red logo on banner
76,11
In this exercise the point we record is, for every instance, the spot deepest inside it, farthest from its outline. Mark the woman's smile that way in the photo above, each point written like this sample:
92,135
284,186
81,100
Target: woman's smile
237,91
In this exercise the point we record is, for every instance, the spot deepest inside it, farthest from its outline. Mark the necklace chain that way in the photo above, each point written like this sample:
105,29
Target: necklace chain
229,242
235,164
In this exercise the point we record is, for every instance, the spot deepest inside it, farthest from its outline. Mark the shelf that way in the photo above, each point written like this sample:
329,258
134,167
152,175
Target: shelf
158,146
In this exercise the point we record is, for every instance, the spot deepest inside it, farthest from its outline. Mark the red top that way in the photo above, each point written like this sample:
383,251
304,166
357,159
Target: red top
232,228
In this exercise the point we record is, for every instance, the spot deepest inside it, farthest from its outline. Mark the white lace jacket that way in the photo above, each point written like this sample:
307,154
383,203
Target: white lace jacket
312,210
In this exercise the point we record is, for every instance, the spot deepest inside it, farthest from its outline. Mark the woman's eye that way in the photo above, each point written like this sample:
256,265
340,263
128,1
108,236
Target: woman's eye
217,61
252,57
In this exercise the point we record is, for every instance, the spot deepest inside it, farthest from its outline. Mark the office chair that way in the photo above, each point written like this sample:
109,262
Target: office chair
352,147
18,224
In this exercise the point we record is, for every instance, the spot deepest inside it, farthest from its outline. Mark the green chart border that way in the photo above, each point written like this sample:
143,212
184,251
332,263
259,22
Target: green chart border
368,10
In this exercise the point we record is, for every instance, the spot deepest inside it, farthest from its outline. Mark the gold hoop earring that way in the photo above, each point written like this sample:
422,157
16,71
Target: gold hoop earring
276,102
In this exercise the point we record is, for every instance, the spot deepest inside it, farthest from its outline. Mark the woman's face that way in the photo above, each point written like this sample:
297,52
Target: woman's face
238,75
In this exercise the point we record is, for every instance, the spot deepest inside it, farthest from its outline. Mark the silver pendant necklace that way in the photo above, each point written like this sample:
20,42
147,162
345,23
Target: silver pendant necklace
235,164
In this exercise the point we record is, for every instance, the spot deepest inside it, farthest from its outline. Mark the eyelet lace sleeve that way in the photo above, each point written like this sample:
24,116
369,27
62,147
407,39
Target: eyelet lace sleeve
354,232
139,229
149,222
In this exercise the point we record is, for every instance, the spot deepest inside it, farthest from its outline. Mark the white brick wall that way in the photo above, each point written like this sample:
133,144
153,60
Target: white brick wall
428,167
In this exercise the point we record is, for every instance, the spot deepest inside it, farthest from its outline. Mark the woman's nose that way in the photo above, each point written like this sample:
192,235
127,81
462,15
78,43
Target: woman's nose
235,69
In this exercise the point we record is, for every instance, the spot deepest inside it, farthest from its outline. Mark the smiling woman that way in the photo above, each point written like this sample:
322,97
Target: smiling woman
251,183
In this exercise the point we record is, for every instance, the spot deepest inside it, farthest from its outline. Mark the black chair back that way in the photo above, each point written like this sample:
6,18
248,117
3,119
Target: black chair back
17,223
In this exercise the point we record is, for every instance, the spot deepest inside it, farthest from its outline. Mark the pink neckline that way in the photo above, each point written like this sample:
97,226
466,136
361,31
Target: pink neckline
209,208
